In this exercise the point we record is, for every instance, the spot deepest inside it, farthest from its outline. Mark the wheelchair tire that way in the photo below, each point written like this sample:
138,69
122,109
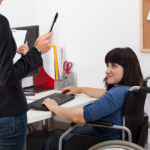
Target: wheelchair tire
116,145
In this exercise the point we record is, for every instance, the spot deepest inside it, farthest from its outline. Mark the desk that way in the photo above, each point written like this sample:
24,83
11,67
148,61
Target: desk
37,115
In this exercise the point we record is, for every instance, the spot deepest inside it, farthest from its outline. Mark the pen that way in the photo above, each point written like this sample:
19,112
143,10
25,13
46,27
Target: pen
55,18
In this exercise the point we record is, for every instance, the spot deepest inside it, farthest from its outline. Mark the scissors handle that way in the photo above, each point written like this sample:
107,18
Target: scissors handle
67,67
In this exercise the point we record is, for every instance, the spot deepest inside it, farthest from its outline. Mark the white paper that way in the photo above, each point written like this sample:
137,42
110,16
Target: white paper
19,36
148,17
48,63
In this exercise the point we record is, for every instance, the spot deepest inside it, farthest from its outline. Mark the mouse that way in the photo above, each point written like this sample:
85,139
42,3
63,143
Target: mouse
65,91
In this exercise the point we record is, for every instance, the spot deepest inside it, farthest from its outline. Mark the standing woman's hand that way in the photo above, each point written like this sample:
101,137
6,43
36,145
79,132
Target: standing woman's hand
23,49
43,43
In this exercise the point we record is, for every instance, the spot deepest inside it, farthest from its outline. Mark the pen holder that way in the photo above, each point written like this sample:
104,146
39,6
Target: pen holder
69,81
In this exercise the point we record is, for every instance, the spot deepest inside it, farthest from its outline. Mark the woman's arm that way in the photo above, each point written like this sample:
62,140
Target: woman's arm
93,92
71,114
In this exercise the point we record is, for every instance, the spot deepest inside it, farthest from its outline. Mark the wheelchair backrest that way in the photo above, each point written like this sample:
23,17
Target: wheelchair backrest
135,120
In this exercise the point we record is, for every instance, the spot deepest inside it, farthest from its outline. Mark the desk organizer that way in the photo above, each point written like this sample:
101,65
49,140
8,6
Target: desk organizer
69,81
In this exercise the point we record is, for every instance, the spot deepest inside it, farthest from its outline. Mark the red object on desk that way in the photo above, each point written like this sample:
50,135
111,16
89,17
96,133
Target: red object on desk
43,79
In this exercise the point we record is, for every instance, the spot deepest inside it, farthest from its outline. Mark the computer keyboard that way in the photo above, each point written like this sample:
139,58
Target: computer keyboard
60,98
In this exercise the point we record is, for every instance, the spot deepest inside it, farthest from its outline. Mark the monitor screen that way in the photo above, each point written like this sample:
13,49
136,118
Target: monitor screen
31,36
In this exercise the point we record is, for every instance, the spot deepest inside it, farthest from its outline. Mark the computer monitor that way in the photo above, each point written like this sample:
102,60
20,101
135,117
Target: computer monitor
31,36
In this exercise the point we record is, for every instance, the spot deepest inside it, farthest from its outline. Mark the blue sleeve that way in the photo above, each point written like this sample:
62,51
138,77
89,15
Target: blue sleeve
106,105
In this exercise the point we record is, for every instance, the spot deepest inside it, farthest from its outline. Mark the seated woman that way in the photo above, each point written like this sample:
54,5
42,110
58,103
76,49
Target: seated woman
123,70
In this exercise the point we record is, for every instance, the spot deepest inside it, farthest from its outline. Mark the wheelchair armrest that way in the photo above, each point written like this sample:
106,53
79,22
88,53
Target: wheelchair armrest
96,123
103,123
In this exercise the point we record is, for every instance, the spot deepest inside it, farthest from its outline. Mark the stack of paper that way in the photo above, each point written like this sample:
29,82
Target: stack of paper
19,36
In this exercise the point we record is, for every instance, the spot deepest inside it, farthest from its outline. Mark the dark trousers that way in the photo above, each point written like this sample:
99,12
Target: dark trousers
53,141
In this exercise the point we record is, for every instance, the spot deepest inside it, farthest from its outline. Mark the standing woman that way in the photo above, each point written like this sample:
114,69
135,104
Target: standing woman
13,105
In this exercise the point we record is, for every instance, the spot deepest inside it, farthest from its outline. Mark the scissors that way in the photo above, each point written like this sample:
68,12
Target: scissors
67,67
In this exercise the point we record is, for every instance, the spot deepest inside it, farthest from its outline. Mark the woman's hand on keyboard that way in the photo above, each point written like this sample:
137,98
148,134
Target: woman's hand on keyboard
50,104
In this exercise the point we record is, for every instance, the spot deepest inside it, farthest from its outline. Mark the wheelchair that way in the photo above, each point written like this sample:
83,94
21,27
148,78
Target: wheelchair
134,127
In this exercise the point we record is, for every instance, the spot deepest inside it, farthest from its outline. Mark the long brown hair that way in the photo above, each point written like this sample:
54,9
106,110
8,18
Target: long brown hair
128,60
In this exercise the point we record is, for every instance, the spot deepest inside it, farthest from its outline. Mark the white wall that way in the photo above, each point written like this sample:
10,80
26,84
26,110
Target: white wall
87,29
20,12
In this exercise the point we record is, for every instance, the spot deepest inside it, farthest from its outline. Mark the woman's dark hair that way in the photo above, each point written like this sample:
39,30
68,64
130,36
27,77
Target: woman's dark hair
128,60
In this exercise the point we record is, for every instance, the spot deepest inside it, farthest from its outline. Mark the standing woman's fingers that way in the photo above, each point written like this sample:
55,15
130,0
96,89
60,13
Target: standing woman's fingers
26,46
23,49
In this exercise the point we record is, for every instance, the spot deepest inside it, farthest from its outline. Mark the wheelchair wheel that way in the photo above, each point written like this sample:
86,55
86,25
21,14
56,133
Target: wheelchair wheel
116,145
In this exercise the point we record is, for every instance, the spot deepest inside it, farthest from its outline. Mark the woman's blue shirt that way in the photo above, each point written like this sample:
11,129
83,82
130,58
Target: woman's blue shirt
107,108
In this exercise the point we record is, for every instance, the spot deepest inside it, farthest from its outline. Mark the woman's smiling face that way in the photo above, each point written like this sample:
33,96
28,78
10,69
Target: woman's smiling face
114,73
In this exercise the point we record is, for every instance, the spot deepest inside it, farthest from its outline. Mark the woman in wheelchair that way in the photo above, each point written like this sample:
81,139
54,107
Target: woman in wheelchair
122,72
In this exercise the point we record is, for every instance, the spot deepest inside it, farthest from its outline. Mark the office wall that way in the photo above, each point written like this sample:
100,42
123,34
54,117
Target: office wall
87,29
20,12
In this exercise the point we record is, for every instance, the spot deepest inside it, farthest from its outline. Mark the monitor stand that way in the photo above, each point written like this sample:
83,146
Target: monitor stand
31,90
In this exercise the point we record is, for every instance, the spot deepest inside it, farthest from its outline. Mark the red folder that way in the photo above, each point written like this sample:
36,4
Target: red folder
43,79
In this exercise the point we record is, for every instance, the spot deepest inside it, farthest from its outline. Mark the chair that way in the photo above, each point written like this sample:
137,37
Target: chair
134,126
